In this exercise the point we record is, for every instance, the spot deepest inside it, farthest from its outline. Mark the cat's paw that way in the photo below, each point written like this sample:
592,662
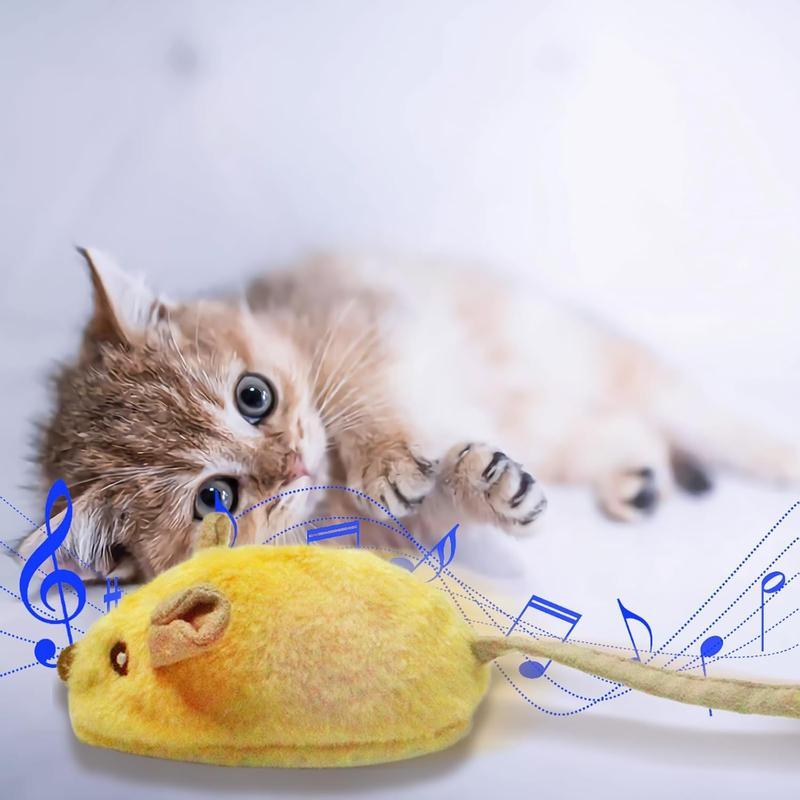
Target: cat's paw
511,493
630,495
399,480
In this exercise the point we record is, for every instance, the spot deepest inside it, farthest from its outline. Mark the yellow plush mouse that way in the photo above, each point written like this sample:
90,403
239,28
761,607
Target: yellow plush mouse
313,657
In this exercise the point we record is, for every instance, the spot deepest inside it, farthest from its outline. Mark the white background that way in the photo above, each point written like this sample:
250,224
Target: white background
641,159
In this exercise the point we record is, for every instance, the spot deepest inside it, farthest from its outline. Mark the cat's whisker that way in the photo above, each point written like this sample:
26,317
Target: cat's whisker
335,390
357,402
152,476
328,413
128,473
172,482
351,427
353,420
354,411
322,343
112,485
354,407
329,338
352,345
359,341
360,362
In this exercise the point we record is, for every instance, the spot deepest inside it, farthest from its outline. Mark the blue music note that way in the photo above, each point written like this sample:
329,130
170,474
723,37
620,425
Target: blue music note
776,587
332,531
221,508
626,615
112,596
448,541
710,647
533,669
45,649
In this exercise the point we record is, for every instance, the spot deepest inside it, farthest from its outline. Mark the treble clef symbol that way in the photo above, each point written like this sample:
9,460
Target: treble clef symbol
45,649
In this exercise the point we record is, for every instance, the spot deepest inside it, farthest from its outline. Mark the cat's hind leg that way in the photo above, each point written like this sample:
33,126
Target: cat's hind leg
624,458
723,436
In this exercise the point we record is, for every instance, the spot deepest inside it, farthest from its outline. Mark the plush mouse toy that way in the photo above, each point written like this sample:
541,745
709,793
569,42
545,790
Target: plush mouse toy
313,657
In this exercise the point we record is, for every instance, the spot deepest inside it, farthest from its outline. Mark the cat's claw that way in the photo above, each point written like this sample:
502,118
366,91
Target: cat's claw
401,483
512,493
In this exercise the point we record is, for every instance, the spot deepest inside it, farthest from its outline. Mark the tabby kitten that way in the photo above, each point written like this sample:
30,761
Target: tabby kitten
408,382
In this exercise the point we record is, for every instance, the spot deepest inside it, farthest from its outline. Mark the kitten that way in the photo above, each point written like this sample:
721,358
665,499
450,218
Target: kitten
407,382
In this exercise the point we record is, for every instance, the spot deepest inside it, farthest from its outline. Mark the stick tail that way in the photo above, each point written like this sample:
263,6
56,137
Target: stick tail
743,697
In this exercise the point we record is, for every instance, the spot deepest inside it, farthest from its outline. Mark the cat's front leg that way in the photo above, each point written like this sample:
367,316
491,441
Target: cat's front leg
388,467
488,486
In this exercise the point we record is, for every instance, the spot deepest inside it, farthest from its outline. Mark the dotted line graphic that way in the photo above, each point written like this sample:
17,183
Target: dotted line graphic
773,653
341,518
62,547
41,527
547,677
610,695
40,610
14,636
20,513
400,527
695,661
726,638
18,669
757,638
19,555
468,594
484,603
715,621
764,538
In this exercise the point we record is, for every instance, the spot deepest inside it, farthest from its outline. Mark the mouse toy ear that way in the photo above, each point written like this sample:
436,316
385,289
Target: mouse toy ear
216,531
187,624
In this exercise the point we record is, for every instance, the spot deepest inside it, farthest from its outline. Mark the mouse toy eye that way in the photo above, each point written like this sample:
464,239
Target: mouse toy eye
119,658
205,501
255,397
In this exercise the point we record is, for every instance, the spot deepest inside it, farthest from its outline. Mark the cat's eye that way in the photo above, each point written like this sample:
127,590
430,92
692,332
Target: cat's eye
119,658
205,502
255,397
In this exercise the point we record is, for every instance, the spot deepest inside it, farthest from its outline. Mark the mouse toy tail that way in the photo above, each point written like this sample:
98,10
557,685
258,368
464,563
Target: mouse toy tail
744,697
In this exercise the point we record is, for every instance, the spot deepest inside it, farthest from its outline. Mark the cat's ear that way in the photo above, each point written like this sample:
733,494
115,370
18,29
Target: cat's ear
124,307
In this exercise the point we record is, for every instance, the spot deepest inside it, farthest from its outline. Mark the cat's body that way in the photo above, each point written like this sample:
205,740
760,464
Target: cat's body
408,382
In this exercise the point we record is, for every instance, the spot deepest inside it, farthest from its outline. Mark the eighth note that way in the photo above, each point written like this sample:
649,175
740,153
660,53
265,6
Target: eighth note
626,615
221,508
775,587
448,540
45,649
709,648
533,669
333,531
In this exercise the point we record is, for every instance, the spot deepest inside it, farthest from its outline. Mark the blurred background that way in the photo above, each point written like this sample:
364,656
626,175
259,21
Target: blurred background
640,159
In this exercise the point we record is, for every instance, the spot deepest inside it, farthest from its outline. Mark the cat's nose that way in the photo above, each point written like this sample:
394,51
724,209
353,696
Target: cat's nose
296,467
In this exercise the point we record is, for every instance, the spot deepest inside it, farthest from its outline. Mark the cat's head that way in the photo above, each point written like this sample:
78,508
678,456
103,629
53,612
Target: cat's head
168,404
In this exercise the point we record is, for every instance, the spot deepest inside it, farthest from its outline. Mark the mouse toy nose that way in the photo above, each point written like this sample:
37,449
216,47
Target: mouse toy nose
64,662
296,467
